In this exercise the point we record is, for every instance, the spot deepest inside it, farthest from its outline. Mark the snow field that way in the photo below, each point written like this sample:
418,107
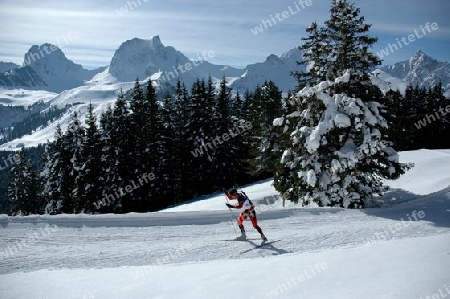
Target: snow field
397,269
398,252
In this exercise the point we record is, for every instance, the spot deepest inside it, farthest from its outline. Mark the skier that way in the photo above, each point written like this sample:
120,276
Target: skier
244,201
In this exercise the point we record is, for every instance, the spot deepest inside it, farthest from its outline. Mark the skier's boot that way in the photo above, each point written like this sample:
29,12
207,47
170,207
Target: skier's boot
242,237
264,239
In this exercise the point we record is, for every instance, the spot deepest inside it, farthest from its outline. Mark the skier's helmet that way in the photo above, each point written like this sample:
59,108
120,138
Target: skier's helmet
233,191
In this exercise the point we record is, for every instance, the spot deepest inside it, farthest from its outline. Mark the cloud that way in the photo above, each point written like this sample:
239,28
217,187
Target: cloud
197,25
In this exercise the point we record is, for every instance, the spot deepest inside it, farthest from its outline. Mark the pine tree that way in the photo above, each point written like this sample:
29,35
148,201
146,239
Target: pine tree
137,122
151,129
72,142
242,139
284,178
237,112
438,120
398,119
52,173
227,163
168,168
142,142
200,131
180,119
22,189
338,154
316,51
110,176
122,147
151,133
349,47
266,107
89,178
416,101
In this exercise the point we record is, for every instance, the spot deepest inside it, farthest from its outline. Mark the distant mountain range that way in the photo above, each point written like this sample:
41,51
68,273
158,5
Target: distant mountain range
421,70
48,75
46,67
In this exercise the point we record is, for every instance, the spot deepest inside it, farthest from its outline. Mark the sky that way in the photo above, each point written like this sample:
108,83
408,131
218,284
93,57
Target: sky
89,32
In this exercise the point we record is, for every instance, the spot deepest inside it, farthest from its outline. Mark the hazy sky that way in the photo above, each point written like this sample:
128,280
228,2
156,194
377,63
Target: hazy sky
90,31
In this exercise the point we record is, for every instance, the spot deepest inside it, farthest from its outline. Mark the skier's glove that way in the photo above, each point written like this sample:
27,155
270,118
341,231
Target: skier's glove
228,205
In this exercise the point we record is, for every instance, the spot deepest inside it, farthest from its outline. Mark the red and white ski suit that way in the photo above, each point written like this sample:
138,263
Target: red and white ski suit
245,202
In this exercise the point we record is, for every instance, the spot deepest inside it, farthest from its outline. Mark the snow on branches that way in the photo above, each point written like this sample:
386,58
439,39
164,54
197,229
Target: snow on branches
336,147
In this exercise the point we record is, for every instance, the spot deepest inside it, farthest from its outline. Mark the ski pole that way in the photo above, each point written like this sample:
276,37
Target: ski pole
226,200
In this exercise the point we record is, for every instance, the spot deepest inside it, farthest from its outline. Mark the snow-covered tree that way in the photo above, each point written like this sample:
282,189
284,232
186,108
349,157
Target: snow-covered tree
23,198
337,152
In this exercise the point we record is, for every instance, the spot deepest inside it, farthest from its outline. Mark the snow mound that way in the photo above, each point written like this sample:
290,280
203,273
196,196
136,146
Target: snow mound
430,172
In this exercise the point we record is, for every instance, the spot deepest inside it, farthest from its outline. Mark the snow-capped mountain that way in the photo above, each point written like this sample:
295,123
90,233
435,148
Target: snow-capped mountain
143,59
421,70
46,67
139,58
277,69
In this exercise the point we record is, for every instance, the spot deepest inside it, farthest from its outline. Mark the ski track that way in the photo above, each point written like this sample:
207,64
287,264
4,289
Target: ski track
87,244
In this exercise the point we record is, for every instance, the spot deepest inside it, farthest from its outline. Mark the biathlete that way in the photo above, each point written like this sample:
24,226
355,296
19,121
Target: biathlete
244,202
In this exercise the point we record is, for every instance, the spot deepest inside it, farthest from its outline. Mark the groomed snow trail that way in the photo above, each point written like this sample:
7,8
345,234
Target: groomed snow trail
155,239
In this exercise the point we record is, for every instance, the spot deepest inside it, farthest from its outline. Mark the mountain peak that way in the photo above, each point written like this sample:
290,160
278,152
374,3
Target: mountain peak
421,60
36,55
156,41
141,58
51,69
420,55
272,58
139,44
421,70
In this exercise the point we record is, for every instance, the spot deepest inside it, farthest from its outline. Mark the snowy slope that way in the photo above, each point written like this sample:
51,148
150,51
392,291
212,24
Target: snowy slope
101,91
24,97
397,252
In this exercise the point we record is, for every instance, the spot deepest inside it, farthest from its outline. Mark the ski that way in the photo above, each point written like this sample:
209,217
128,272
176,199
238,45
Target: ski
266,243
254,239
